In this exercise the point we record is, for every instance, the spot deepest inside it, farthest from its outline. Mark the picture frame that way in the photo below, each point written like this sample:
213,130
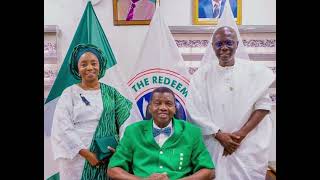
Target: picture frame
204,12
133,12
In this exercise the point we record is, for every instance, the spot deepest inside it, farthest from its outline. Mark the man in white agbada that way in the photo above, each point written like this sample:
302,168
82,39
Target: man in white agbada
228,99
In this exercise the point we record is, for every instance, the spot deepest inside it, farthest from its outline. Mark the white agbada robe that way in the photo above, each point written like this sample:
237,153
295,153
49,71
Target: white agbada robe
224,98
74,124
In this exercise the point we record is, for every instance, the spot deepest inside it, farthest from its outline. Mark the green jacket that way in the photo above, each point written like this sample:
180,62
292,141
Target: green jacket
182,154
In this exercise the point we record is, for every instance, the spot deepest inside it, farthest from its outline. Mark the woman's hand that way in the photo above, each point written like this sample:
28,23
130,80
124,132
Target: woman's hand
111,149
106,160
90,157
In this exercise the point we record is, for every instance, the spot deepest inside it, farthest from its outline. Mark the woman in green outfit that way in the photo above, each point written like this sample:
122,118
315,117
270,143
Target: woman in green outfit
86,111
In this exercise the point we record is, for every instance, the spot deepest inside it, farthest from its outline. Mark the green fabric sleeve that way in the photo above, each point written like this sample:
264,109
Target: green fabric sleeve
122,108
123,156
200,157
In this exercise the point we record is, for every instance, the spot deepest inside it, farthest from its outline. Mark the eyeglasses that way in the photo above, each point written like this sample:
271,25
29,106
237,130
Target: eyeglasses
229,43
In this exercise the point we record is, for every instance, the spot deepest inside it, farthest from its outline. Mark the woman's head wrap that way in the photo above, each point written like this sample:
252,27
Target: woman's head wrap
78,51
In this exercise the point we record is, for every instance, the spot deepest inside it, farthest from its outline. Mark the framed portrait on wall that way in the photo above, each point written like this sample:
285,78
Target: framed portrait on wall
133,12
207,12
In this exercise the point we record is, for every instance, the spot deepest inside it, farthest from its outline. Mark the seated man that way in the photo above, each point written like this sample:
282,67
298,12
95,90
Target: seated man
163,147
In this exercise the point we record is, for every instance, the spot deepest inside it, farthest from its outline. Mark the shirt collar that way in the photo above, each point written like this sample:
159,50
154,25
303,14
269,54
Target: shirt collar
169,125
226,68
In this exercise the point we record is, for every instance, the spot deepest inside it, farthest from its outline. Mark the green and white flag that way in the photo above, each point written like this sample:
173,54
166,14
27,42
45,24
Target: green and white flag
90,31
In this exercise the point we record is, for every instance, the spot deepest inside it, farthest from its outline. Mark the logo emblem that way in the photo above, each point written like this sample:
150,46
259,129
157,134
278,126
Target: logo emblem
143,83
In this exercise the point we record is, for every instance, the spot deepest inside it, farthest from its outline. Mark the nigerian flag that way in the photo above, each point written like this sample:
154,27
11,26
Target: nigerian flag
90,31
